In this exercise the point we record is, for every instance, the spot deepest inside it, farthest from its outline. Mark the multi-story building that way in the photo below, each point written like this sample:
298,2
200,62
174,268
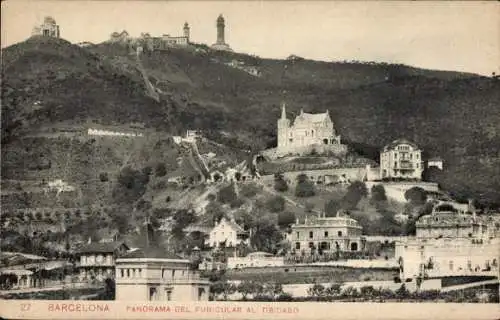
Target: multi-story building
401,159
448,257
448,222
450,243
158,275
329,234
97,259
49,28
227,233
307,129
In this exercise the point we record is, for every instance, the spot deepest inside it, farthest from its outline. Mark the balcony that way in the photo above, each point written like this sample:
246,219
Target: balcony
404,165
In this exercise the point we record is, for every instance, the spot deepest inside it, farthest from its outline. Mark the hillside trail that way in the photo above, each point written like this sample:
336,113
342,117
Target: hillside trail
150,89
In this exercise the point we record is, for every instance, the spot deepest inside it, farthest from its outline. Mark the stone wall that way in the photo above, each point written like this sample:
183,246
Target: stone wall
351,174
333,149
396,190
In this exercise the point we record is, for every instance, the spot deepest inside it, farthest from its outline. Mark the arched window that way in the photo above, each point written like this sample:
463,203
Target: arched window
339,233
354,246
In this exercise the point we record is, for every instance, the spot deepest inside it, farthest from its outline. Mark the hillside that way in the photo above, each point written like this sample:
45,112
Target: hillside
49,82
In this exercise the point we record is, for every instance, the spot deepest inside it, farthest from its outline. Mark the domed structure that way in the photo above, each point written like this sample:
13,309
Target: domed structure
49,28
446,222
49,20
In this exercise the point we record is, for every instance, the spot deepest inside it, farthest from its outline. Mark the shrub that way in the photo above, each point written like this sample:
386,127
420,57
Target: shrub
280,184
378,193
103,176
305,188
416,195
276,204
236,203
160,185
160,170
285,219
227,194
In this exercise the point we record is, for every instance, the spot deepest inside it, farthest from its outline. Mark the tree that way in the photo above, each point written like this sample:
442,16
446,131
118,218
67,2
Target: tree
160,170
276,204
227,194
246,287
223,287
266,236
304,188
331,208
402,292
355,192
131,185
285,219
317,290
103,176
280,184
416,196
378,193
334,290
237,176
214,211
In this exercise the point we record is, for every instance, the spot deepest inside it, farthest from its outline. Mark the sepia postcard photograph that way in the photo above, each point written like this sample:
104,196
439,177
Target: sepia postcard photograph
250,160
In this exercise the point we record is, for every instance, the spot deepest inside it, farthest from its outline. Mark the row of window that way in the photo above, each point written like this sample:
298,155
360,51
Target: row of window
326,246
131,273
311,234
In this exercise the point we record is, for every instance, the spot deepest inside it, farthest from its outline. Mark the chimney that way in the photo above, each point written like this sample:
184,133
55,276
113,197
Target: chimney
297,221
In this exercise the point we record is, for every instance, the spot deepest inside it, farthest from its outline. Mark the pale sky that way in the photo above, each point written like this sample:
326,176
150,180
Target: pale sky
446,35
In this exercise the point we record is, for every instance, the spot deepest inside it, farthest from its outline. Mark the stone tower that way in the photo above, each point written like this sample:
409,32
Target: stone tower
186,30
220,30
283,125
221,44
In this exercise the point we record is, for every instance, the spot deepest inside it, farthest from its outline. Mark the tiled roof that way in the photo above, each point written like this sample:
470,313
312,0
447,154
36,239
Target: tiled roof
158,253
104,247
312,117
233,225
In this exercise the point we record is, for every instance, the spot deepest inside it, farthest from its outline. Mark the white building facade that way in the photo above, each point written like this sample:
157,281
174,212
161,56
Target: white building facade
450,243
227,233
158,276
401,159
329,234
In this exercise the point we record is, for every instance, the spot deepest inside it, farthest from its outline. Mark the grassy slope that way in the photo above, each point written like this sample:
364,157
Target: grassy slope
451,114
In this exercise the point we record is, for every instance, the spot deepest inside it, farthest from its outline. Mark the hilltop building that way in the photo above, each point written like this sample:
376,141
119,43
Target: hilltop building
329,234
307,133
401,159
49,28
122,37
153,43
158,275
221,44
